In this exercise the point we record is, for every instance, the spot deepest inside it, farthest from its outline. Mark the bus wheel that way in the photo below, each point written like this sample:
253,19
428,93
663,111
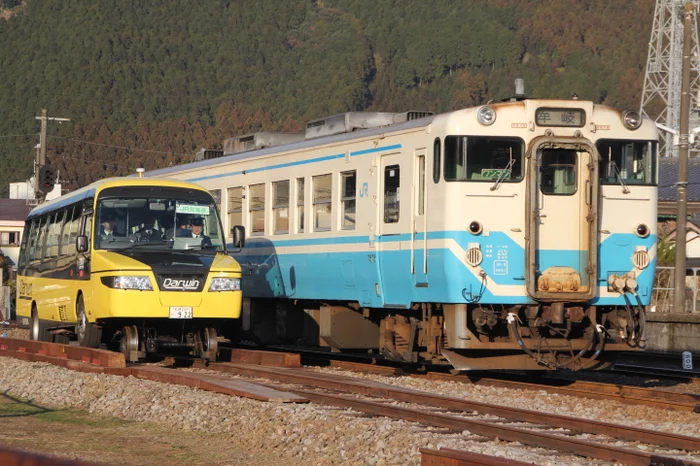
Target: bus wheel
210,344
129,343
37,328
89,335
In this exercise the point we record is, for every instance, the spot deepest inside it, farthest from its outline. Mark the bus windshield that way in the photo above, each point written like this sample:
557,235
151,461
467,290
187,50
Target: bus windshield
158,223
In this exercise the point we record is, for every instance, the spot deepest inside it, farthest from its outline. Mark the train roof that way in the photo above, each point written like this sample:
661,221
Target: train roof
314,142
91,189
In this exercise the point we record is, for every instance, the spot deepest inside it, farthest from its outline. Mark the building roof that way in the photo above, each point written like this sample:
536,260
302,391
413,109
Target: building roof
14,209
668,176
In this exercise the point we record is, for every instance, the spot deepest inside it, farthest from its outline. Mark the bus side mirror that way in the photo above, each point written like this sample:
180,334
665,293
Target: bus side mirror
81,243
238,232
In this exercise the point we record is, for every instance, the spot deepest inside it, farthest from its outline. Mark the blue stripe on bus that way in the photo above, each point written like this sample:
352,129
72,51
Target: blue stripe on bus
292,164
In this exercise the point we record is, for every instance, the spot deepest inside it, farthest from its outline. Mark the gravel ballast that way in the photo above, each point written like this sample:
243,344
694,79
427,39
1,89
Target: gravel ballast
316,434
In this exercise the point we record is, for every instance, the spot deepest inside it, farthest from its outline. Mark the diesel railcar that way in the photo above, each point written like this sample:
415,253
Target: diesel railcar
520,234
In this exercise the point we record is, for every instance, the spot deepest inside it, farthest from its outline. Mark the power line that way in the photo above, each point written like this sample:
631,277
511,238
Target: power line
130,149
17,135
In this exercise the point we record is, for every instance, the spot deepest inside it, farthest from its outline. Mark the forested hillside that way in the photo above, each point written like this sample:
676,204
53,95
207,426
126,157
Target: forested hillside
149,83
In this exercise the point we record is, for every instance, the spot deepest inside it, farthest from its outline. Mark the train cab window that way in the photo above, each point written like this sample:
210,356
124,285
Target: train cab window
436,160
479,158
629,162
322,199
392,182
257,209
235,207
280,207
301,194
558,172
347,199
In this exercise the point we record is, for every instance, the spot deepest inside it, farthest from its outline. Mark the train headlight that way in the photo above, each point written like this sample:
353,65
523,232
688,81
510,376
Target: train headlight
486,115
475,228
631,119
642,230
128,282
225,284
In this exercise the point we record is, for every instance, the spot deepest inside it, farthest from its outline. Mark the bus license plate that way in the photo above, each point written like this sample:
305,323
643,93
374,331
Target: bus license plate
180,312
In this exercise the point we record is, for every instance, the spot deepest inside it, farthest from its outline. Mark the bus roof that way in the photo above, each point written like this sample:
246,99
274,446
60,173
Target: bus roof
94,188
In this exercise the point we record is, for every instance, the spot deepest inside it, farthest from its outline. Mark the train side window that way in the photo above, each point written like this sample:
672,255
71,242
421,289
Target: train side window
301,195
392,178
216,194
280,207
436,160
348,197
420,205
235,207
322,200
257,209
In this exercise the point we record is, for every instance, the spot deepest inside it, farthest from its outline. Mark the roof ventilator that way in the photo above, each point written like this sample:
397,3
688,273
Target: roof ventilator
259,140
353,121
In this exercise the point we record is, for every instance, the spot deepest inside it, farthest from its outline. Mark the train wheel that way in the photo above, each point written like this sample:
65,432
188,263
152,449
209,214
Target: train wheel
37,328
210,344
129,343
89,334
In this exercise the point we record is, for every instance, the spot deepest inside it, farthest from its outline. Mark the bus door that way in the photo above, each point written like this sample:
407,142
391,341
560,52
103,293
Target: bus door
562,249
419,242
394,243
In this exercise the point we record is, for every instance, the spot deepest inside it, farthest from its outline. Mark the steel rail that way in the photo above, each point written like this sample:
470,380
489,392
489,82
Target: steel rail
512,434
450,457
363,387
631,395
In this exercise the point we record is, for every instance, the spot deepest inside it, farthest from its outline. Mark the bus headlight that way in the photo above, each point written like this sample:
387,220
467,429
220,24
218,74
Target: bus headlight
486,115
225,284
128,282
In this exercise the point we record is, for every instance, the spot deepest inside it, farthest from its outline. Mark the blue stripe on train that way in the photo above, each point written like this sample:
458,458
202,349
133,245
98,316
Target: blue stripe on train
355,276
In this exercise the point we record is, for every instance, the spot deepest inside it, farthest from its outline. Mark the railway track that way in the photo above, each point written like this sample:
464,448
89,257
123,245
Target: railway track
651,397
559,434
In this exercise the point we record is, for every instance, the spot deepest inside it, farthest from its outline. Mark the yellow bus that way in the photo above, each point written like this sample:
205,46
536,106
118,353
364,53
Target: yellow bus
137,264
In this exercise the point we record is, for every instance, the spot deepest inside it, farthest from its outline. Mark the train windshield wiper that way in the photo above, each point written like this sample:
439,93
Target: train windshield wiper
506,172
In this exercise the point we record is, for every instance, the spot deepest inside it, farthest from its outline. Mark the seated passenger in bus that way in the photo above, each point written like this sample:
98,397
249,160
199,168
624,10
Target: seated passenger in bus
197,225
107,226
149,232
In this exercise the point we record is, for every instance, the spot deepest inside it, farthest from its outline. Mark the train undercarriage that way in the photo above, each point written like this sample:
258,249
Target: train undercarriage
464,337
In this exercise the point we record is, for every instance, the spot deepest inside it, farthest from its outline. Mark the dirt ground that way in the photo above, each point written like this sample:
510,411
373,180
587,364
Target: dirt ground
71,434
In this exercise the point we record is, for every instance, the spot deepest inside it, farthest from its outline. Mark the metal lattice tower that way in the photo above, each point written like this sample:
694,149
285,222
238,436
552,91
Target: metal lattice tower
661,99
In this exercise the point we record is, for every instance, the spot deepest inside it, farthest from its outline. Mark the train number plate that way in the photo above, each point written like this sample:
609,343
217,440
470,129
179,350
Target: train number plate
180,312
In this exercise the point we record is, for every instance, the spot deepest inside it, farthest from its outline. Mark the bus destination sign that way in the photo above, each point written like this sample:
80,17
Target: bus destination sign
574,117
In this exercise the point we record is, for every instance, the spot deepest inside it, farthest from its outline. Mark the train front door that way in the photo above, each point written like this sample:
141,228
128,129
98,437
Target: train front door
562,245
394,244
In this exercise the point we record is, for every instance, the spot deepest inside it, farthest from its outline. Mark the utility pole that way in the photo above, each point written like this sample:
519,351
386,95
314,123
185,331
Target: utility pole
41,149
682,184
